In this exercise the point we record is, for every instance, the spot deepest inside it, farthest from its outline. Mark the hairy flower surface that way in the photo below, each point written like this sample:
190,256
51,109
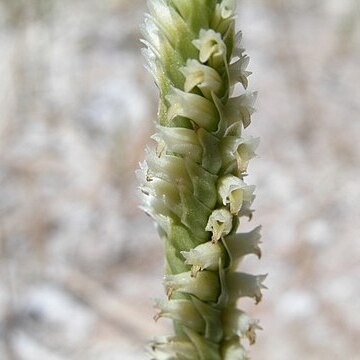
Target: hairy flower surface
192,181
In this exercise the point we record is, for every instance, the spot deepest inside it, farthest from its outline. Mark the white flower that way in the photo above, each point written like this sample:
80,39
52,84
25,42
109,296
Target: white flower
234,191
241,244
233,350
204,77
237,71
204,286
223,16
171,347
211,46
245,285
219,223
238,50
237,322
181,310
204,256
181,141
237,151
240,107
194,107
227,8
167,20
167,167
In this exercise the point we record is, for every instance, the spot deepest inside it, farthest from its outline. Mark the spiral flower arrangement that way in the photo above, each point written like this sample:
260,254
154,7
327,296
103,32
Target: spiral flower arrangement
192,181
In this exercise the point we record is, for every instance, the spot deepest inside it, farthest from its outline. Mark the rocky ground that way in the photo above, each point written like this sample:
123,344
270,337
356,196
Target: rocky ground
80,264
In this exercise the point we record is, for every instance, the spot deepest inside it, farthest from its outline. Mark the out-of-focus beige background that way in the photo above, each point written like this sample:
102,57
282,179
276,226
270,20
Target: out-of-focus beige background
80,264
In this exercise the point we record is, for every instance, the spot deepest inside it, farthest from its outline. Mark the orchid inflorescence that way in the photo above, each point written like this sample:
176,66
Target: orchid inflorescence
193,179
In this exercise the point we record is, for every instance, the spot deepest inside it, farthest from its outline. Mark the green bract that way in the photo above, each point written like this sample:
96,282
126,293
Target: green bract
193,180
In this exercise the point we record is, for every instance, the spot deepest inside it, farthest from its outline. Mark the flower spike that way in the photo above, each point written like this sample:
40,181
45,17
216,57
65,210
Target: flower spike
192,181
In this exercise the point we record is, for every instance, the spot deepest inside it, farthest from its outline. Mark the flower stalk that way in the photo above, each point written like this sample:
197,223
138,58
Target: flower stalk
193,179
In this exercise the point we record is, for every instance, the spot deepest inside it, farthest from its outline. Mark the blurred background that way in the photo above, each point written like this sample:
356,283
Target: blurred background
79,262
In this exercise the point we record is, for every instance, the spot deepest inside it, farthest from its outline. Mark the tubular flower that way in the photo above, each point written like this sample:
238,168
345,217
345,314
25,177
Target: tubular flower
192,181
